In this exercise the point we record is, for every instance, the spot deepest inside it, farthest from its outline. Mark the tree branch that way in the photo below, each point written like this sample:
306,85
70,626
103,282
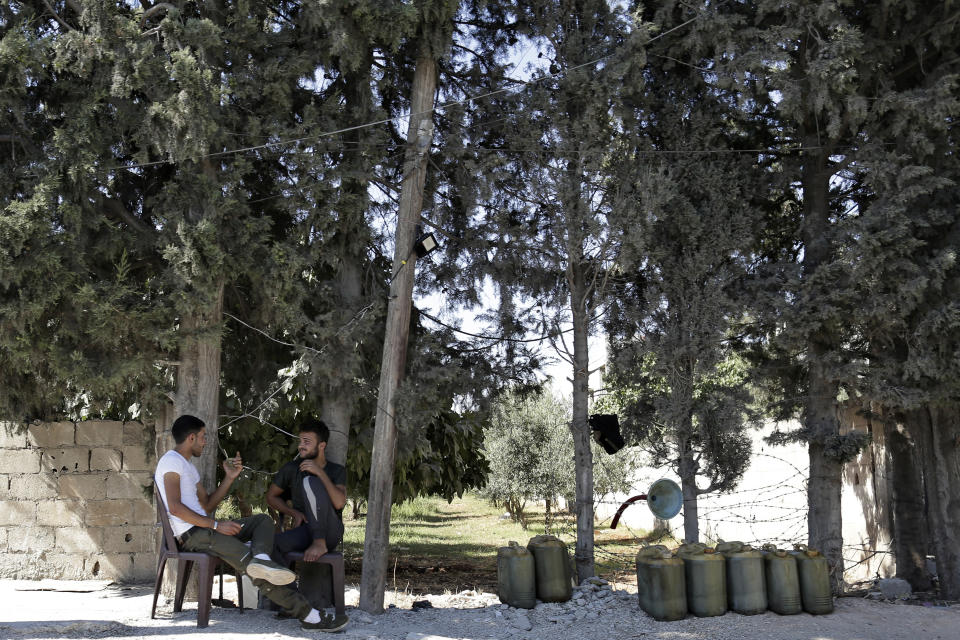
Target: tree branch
56,16
117,211
155,9
25,143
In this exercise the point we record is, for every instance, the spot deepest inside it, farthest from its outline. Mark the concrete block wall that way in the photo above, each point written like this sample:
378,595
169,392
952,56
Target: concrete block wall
76,501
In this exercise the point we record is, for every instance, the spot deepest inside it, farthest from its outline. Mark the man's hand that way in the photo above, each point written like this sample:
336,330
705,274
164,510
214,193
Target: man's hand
229,528
312,466
315,551
232,467
297,518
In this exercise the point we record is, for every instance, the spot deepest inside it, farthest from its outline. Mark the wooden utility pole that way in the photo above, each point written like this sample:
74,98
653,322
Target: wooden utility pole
376,550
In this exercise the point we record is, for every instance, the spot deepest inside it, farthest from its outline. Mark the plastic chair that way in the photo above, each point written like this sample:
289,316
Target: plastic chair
335,560
206,564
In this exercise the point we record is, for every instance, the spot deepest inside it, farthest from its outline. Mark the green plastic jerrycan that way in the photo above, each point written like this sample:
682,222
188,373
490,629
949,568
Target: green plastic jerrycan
814,571
746,582
516,577
783,582
706,577
554,576
661,584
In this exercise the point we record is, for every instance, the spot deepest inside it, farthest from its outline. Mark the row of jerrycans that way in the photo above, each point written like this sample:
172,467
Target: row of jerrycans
539,570
708,582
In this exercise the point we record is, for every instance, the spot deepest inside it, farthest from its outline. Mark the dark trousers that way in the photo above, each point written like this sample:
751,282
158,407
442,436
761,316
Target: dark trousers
258,531
323,521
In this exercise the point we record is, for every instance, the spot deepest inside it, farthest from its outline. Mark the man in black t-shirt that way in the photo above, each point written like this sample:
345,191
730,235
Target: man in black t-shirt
317,491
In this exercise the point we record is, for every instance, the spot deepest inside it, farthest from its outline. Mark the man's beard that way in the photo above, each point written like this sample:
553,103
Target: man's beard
309,456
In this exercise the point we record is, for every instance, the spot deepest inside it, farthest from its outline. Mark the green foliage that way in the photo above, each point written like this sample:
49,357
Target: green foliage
530,451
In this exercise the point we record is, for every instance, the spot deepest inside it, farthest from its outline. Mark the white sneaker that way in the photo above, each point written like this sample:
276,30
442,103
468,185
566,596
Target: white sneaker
270,571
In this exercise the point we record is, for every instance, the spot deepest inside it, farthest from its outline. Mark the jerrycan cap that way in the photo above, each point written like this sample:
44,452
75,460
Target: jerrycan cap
805,550
657,551
546,540
729,547
514,549
691,549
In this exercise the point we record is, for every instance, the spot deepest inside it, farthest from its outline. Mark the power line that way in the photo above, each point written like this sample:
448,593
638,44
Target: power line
400,118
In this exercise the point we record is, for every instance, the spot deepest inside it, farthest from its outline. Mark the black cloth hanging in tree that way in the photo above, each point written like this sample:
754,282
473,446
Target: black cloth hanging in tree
606,431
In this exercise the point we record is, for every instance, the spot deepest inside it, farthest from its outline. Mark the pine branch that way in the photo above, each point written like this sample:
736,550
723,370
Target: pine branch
25,143
56,16
155,9
117,211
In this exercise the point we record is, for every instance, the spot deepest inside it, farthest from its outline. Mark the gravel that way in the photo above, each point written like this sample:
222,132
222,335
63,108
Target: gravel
598,611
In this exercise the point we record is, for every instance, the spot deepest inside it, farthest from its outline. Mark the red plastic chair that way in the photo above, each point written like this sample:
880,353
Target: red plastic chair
206,566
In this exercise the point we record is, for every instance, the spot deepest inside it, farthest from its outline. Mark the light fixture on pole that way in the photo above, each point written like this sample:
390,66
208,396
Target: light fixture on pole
425,243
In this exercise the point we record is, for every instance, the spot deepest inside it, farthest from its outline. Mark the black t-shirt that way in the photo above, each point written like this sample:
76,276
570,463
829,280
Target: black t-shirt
290,479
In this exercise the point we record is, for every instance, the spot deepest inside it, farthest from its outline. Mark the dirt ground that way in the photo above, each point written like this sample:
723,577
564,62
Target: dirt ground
52,609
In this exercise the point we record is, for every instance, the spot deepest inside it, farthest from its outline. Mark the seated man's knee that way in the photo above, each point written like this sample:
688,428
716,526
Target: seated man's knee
261,519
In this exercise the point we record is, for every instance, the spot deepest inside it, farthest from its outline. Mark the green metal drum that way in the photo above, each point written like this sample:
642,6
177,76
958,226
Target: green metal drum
516,576
746,582
661,584
783,582
706,578
814,571
554,576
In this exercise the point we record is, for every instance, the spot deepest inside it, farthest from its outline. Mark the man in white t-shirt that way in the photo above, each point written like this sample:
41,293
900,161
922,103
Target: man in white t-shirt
188,504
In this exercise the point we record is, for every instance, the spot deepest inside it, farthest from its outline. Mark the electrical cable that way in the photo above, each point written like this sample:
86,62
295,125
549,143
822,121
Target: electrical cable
398,118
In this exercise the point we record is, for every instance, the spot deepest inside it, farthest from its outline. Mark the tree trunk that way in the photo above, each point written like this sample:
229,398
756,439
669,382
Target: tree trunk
376,550
824,487
198,379
688,484
908,506
353,230
943,492
580,427
821,420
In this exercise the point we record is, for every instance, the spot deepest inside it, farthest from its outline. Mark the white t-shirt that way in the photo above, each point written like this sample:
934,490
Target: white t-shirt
189,479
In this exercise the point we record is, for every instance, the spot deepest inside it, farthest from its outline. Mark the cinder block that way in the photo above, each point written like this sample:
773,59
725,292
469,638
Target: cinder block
60,513
100,432
126,567
72,460
129,485
12,436
144,512
143,566
18,512
135,433
135,458
33,486
83,540
3,539
105,460
110,566
65,566
132,539
12,566
87,487
20,460
6,488
108,513
29,539
52,434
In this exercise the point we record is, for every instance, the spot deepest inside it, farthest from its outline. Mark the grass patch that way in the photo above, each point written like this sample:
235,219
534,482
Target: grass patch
437,546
